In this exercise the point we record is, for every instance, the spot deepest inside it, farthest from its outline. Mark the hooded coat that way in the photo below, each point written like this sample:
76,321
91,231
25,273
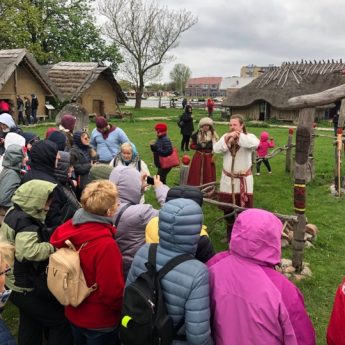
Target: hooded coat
23,226
251,302
130,234
10,178
186,287
100,260
264,145
43,158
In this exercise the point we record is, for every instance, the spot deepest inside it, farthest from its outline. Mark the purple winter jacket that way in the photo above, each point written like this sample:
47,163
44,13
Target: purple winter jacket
251,303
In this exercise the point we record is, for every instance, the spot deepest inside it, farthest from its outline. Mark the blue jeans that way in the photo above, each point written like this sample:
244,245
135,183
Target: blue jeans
84,336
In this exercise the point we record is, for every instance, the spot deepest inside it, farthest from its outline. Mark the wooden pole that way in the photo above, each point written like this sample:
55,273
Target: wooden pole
341,122
303,139
288,151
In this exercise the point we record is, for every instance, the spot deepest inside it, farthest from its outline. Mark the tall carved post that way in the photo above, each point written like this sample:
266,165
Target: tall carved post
303,139
288,151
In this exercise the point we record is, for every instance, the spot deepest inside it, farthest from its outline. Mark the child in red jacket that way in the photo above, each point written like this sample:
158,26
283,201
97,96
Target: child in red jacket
262,150
96,319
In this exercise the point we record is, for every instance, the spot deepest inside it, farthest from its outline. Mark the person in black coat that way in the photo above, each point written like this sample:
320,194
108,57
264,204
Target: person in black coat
44,159
187,127
162,147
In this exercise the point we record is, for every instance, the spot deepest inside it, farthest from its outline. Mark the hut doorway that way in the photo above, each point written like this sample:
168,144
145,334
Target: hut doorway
265,111
98,107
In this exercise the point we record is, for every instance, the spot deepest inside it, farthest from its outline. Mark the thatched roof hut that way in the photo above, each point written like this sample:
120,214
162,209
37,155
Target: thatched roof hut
267,96
88,83
20,74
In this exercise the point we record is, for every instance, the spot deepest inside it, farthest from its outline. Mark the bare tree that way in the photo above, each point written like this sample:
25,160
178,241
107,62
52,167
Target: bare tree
180,75
145,32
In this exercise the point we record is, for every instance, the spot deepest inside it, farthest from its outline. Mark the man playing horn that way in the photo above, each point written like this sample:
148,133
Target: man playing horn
236,184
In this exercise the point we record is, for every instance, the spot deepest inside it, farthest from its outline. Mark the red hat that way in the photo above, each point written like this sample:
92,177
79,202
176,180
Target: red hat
68,122
161,127
101,122
49,131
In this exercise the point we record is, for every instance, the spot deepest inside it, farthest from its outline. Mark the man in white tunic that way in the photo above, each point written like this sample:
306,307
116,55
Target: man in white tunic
236,184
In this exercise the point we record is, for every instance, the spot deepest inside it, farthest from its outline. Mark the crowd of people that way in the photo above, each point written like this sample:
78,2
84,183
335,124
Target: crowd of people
88,189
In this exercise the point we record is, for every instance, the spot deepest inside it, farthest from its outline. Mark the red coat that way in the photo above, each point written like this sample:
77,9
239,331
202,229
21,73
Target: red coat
101,262
336,327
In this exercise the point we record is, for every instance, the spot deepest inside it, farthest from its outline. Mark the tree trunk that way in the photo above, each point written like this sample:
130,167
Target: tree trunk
303,139
138,94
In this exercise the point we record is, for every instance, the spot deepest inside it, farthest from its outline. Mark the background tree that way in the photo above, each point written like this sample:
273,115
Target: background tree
55,30
145,32
180,75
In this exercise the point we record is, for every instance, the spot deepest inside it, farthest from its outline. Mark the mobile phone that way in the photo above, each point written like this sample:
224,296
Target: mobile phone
150,180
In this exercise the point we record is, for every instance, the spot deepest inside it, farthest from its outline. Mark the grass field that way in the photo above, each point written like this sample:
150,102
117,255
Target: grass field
272,192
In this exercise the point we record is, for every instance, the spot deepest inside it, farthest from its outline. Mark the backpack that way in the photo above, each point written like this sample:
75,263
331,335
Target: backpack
65,277
144,319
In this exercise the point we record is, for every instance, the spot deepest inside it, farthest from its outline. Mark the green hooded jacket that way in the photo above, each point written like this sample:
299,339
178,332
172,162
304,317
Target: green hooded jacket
22,228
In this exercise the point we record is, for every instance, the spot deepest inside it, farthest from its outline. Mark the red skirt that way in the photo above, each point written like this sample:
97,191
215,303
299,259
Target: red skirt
202,169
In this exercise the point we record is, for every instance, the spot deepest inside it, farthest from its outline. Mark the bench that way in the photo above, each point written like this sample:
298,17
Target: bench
41,118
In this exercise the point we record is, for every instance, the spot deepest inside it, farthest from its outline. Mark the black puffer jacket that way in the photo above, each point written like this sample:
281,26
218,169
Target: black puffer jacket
186,120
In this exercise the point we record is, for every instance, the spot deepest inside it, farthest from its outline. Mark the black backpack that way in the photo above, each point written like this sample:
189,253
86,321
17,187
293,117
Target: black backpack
145,320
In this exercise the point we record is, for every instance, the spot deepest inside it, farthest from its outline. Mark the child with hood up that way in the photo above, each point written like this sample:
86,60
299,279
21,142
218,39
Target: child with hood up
262,150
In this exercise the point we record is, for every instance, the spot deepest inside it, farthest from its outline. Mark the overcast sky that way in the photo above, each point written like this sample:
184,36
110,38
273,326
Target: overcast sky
230,34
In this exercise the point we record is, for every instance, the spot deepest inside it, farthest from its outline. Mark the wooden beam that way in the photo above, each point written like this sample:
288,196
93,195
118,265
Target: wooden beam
316,99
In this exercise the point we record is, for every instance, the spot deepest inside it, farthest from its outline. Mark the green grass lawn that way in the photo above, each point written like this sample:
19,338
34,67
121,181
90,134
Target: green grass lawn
272,192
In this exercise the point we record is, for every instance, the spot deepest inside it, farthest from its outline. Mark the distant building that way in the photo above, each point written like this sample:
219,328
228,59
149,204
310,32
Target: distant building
203,87
230,85
253,71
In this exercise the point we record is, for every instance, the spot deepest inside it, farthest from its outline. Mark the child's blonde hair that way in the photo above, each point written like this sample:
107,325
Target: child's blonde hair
99,197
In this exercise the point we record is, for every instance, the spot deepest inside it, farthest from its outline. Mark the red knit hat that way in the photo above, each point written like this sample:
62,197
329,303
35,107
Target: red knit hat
161,127
68,122
101,122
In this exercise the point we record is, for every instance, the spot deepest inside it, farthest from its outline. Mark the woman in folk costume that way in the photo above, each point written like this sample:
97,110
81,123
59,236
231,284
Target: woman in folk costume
203,169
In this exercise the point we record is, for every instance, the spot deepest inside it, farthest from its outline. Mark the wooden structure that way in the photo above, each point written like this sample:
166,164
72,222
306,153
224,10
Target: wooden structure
266,97
303,139
89,84
20,74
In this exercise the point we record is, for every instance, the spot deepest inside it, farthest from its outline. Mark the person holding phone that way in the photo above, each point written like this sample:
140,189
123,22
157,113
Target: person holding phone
132,216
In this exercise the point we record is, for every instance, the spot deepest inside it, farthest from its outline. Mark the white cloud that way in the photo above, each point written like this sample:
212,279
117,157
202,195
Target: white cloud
230,34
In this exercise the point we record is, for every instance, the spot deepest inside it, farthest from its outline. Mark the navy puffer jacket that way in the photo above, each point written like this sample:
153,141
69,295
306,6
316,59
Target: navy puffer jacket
186,287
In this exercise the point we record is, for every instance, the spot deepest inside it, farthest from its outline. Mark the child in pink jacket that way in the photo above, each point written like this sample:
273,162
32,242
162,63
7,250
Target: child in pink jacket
262,150
251,302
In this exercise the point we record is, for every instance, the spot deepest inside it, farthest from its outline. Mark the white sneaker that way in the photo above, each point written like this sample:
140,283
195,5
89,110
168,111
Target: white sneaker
257,174
270,172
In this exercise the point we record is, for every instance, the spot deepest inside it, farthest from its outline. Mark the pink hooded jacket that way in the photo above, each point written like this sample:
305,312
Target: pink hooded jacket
251,303
264,145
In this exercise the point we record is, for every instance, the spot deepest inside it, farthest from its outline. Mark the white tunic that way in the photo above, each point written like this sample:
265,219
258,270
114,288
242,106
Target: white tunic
243,161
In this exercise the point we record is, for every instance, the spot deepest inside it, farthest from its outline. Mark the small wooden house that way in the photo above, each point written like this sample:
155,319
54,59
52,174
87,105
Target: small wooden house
20,74
266,97
89,84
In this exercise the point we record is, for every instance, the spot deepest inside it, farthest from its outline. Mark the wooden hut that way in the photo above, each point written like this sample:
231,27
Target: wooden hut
266,97
20,74
89,84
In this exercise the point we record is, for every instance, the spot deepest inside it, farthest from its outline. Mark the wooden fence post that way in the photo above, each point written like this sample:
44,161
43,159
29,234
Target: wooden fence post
303,140
288,151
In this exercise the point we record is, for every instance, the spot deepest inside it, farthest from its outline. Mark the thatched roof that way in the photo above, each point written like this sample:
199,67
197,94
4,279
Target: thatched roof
12,58
291,79
74,78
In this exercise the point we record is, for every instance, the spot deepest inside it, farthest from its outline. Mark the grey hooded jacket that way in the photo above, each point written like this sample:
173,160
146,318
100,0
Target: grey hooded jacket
186,287
10,178
130,234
